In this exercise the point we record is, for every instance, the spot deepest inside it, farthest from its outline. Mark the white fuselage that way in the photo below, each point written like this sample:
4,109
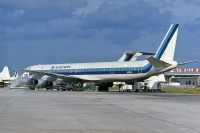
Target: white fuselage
105,71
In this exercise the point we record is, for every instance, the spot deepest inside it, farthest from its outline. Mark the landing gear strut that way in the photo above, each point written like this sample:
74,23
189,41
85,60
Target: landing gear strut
105,86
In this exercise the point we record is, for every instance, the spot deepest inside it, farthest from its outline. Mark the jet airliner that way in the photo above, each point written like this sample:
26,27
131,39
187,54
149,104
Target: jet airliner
104,73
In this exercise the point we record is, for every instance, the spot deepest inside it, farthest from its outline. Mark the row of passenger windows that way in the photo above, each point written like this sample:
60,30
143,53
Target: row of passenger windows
96,70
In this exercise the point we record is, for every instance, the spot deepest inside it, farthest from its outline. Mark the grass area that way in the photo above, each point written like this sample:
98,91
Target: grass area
182,90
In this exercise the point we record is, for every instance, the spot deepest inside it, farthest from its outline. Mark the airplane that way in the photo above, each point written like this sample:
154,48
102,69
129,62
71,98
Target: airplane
4,75
133,56
47,81
105,73
5,78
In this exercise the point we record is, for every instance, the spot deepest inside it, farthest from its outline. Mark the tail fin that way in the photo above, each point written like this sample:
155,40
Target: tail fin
16,75
5,73
166,50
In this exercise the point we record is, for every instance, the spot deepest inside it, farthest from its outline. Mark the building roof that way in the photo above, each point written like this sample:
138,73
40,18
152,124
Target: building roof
184,72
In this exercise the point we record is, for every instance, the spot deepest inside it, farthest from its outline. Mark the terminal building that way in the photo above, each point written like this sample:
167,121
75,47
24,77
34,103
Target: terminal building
188,77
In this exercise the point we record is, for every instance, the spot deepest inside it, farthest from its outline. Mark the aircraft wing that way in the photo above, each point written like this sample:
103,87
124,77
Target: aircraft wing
63,77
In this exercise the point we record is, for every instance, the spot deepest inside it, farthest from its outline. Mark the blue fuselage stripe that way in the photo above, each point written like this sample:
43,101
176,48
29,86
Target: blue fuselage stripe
92,71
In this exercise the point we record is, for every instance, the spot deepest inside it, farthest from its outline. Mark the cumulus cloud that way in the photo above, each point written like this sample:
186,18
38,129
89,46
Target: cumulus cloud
126,22
60,29
36,19
43,3
126,16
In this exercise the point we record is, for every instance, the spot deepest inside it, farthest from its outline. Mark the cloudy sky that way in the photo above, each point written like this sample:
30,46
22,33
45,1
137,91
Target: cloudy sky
66,31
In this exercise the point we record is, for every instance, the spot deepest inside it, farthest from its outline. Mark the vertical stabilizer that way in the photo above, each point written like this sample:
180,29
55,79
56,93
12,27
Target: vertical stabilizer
167,48
5,73
16,75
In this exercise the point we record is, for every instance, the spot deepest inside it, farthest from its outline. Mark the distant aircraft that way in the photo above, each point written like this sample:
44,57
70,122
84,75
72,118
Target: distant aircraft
5,78
105,73
4,75
133,56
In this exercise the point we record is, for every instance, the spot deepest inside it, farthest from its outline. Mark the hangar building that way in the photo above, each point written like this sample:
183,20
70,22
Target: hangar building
189,77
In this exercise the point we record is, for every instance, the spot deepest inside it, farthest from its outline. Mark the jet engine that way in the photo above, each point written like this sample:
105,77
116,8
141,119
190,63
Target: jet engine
33,82
45,82
28,81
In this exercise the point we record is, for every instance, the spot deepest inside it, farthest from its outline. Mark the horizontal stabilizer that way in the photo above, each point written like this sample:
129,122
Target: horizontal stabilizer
184,63
147,53
157,63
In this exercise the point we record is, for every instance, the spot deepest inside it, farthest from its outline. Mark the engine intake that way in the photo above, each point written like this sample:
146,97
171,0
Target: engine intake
49,84
33,81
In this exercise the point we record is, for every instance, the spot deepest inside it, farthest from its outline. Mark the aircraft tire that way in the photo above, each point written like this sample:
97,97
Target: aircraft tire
103,88
136,90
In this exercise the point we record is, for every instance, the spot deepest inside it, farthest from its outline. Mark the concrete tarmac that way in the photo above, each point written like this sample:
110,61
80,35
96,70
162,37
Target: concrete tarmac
24,111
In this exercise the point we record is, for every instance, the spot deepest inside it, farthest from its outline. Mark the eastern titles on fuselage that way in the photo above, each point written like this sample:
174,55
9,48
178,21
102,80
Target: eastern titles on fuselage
60,67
